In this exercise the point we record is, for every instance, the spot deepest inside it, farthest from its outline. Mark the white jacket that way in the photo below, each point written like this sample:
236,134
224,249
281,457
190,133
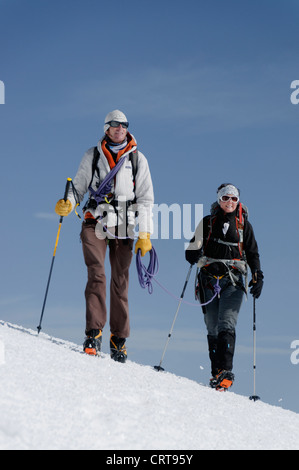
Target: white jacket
122,187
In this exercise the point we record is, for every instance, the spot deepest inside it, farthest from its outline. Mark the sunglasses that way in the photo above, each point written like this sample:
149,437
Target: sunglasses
124,125
227,198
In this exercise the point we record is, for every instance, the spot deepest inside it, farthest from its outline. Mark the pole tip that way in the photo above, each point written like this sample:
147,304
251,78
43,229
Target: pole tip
158,368
70,179
254,398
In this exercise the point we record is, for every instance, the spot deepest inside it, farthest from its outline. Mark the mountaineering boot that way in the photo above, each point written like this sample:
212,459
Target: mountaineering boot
118,350
93,342
223,380
226,349
213,354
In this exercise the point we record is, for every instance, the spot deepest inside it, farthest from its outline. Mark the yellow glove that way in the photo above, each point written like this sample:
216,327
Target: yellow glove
143,243
63,208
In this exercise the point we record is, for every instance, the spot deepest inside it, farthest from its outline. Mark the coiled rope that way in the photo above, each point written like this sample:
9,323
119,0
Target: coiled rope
147,275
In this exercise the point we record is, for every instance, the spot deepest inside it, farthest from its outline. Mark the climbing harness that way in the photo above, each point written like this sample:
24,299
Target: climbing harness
237,264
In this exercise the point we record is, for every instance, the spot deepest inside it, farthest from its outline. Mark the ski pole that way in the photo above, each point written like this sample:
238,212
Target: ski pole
158,368
254,397
67,187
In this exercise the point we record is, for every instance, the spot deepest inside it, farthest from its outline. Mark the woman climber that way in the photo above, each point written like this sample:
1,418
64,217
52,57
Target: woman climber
223,245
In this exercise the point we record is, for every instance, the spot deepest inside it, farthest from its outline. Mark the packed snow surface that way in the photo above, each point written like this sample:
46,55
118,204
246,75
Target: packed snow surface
52,396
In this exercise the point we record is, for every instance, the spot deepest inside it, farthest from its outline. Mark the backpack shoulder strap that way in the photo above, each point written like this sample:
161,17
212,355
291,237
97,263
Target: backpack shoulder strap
94,166
134,161
96,156
211,223
242,216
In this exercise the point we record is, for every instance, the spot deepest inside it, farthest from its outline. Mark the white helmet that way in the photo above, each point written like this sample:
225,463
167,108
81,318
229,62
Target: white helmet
115,115
226,189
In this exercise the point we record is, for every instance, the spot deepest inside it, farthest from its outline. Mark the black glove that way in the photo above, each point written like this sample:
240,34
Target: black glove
256,284
192,256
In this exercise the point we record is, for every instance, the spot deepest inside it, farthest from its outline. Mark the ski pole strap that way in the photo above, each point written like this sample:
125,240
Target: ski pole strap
77,199
66,192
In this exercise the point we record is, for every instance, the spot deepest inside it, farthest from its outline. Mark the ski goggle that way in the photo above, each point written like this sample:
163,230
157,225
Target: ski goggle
124,125
227,198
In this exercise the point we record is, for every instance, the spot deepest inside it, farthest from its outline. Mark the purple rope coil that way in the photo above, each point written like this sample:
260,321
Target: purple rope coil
147,275
106,186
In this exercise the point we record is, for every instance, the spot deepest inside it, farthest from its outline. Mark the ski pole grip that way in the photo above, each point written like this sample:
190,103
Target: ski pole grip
67,187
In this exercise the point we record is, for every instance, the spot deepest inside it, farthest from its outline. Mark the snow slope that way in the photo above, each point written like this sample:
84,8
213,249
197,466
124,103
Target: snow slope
54,397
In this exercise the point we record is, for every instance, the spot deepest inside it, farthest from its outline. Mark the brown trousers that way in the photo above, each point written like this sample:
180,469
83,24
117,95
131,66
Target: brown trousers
94,251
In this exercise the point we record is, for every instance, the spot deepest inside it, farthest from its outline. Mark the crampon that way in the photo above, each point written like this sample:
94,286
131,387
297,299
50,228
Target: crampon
222,381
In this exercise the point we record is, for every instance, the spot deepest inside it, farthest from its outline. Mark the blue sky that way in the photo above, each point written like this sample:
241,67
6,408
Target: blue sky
206,88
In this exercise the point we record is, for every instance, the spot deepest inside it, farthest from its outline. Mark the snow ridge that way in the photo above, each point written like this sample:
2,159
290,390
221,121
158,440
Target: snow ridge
52,396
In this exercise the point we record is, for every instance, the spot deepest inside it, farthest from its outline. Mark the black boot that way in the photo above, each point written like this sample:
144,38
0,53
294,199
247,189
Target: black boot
213,354
223,380
93,342
226,349
118,350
